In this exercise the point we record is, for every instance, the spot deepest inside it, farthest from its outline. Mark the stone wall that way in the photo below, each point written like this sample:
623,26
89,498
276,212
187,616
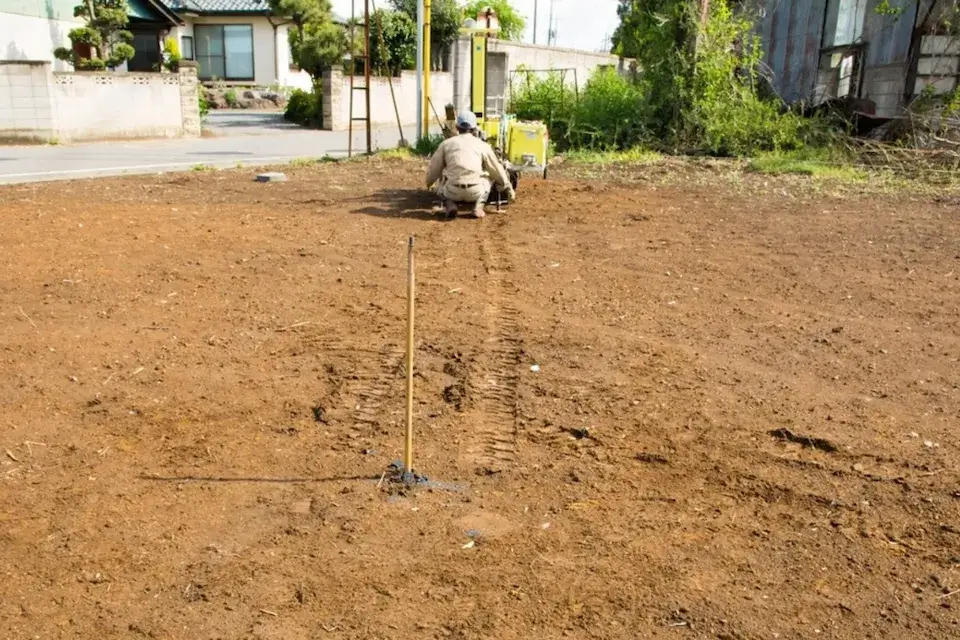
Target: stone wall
39,105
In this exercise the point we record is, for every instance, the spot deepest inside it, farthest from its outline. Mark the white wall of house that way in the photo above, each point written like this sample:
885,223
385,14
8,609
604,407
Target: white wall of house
34,37
289,77
271,50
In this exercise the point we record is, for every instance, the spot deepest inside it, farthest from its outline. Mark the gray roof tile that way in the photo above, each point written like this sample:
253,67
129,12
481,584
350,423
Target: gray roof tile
240,6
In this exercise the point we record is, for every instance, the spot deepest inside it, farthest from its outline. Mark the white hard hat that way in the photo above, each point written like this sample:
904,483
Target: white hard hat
466,121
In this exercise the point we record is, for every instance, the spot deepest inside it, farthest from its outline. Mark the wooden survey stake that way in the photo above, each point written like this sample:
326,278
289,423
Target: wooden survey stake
408,445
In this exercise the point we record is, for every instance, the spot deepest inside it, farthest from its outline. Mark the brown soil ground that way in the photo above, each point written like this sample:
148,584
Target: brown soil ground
744,423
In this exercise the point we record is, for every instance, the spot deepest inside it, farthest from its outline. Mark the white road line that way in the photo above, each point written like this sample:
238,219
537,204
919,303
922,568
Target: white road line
152,167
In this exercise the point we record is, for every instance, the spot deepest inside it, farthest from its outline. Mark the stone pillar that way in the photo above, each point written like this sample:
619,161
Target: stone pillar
332,87
189,98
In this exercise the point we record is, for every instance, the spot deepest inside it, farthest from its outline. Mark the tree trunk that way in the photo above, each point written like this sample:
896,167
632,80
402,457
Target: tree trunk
94,53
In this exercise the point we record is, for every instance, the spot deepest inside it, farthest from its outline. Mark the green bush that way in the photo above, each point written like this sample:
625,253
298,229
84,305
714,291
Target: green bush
231,97
426,145
608,114
726,115
202,103
548,99
305,108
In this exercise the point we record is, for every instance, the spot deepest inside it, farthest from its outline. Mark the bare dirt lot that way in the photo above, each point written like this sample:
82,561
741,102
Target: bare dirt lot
744,423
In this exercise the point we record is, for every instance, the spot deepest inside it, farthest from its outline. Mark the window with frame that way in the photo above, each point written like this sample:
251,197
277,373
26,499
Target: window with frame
186,47
844,22
224,51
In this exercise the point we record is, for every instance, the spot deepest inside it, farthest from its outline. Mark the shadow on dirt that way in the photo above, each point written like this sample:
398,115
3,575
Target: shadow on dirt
266,480
418,204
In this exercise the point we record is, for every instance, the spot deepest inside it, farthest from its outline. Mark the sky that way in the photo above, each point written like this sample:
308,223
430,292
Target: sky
580,24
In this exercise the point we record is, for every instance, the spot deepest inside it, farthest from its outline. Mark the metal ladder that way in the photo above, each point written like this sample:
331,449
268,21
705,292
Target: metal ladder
366,76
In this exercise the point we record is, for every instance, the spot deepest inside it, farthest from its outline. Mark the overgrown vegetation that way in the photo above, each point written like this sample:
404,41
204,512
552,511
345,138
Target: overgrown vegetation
698,92
607,114
104,42
426,145
393,42
446,18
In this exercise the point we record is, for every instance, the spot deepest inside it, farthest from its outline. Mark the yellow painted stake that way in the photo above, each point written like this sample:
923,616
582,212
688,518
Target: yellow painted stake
408,445
426,68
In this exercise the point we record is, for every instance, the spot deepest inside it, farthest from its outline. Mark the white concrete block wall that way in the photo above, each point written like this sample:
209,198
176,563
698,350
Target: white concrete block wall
337,98
539,57
96,106
26,111
36,104
24,37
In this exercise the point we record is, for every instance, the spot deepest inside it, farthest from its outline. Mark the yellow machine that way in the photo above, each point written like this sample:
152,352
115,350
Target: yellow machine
521,145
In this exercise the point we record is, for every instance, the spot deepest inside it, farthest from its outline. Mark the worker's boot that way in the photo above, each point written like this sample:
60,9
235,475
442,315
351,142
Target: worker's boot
449,208
478,211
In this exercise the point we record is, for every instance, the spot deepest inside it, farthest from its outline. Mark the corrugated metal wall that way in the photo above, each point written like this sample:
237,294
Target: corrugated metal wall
791,31
792,36
888,37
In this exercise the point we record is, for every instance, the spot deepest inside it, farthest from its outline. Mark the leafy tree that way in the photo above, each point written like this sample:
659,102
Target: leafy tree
317,43
104,36
393,41
446,18
322,45
658,34
512,23
301,12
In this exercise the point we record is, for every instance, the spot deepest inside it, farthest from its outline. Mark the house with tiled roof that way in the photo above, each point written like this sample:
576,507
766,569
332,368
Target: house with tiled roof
233,41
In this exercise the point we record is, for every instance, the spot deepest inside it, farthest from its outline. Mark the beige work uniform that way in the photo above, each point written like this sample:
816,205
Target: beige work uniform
465,168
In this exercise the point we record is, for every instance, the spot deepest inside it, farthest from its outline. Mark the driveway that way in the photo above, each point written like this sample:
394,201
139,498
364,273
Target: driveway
246,139
242,122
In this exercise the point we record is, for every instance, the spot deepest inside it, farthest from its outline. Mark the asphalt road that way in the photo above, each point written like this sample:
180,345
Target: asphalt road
238,138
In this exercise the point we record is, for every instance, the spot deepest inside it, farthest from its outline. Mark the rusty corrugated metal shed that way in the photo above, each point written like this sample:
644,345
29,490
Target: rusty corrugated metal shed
791,32
888,37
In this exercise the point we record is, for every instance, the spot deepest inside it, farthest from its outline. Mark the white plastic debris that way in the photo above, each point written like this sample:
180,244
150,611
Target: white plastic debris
535,368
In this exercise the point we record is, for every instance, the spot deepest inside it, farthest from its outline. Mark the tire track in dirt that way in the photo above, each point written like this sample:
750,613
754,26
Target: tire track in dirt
367,378
494,438
371,387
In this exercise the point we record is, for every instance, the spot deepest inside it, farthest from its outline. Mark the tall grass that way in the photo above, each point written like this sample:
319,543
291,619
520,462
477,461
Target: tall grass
608,114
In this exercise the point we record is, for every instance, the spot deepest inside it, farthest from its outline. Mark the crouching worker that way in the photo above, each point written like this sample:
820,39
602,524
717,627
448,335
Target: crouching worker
466,169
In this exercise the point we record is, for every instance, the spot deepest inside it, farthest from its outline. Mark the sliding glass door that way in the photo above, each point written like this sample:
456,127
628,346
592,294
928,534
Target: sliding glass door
224,51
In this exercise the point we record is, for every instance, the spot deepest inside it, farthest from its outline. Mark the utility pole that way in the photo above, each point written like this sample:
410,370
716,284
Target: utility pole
420,109
536,9
551,33
426,67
